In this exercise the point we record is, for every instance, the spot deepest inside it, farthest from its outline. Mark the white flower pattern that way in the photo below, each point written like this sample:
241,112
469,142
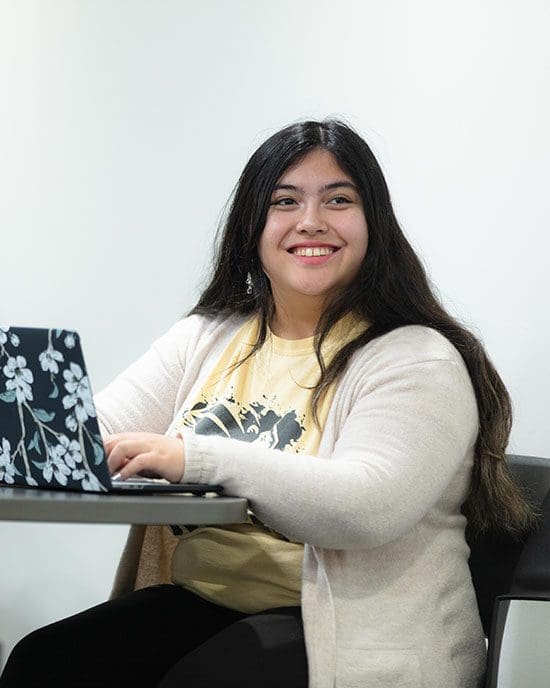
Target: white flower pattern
4,333
20,378
7,469
49,360
80,396
56,467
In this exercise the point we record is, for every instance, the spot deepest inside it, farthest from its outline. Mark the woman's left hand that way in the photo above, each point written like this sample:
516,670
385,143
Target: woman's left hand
147,453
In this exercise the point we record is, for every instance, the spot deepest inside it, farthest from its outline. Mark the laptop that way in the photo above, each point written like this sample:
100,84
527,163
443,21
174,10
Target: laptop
49,434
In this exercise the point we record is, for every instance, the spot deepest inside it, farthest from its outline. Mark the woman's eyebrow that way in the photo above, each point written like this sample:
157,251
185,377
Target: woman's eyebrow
327,187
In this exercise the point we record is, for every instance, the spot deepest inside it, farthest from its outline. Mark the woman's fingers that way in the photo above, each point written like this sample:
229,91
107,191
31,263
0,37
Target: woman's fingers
110,441
144,464
122,452
146,453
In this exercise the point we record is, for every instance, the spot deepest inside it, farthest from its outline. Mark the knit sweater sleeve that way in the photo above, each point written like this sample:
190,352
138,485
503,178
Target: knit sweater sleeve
407,433
142,397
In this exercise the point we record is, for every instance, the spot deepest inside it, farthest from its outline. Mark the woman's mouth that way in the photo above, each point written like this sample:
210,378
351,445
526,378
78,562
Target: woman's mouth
312,250
313,256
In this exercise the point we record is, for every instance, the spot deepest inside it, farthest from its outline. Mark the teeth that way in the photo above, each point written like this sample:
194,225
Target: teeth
324,251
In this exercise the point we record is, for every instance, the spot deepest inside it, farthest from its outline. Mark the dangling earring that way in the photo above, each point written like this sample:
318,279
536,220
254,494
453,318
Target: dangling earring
249,283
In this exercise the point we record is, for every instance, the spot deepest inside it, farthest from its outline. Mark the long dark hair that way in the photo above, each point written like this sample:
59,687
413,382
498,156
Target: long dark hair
390,290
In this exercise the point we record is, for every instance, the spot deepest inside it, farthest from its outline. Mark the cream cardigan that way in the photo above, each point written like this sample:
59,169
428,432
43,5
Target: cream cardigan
387,597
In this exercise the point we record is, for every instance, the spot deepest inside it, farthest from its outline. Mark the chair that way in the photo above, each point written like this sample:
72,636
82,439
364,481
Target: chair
512,584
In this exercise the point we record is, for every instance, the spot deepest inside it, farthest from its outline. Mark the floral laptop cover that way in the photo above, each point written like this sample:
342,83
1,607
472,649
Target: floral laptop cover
49,435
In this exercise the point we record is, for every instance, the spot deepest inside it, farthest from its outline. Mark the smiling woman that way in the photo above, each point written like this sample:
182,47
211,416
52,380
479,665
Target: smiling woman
319,377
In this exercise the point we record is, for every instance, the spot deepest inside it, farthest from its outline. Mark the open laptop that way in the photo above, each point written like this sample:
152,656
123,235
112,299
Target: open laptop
49,434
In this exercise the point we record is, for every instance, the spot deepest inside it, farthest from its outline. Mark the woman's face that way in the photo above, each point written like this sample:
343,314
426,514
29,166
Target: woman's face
315,236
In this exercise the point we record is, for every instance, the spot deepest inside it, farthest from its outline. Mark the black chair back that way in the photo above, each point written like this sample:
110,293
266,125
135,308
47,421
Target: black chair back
494,560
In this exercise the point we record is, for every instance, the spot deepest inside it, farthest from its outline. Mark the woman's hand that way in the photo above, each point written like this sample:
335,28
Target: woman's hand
147,453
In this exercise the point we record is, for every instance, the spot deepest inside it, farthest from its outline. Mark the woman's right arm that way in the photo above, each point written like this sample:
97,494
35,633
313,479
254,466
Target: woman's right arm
142,398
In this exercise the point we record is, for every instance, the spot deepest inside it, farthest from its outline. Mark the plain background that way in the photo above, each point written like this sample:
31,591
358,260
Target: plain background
124,126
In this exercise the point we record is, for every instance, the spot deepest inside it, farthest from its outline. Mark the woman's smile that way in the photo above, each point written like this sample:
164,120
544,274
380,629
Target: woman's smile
312,254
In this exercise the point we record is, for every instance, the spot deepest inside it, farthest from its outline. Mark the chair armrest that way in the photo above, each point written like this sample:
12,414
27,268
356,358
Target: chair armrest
519,643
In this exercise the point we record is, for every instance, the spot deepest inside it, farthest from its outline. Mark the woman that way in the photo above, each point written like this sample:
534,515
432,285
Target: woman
319,377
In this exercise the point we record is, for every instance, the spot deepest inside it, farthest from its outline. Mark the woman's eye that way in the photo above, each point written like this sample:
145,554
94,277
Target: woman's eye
339,200
283,201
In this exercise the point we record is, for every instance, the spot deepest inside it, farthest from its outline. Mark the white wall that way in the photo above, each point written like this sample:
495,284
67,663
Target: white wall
125,124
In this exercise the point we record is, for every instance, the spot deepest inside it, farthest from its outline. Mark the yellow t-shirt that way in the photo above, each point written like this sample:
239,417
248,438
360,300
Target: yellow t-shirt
248,566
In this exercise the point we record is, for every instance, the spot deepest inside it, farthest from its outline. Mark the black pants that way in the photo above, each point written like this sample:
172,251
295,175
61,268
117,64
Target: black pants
163,637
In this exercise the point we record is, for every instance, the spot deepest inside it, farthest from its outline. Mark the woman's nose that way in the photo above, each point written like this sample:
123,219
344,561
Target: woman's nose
311,220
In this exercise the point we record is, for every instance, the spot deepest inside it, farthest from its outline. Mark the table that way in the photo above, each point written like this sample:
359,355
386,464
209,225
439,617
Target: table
21,504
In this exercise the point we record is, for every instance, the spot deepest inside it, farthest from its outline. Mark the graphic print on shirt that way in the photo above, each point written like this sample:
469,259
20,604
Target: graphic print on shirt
256,421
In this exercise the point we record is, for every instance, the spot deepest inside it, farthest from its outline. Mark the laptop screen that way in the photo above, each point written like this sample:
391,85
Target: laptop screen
49,435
